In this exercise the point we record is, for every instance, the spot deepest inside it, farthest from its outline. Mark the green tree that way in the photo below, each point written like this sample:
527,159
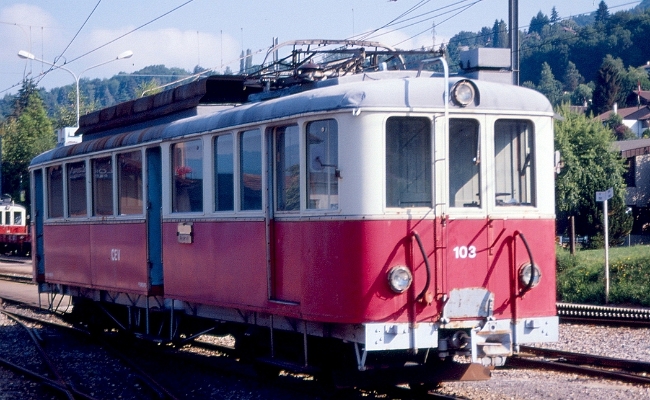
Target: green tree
619,130
582,95
602,14
590,165
549,86
608,84
538,22
555,17
25,134
572,77
148,88
499,34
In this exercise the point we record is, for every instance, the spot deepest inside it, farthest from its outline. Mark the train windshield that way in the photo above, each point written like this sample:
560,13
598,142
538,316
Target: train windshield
464,163
408,162
514,163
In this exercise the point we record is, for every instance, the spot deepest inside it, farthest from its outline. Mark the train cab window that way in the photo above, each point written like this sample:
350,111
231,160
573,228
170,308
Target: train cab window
129,183
408,162
55,192
322,165
187,164
250,170
464,163
102,186
224,178
287,168
514,163
77,189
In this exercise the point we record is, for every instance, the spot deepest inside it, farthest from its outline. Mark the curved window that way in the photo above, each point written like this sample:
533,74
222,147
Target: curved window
187,164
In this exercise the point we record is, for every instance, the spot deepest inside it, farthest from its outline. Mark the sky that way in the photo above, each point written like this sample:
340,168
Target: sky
80,34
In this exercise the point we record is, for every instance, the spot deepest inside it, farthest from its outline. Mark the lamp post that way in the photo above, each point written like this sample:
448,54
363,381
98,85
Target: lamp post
29,56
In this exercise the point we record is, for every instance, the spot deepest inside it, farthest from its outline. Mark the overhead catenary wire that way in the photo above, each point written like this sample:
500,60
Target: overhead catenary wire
109,42
56,59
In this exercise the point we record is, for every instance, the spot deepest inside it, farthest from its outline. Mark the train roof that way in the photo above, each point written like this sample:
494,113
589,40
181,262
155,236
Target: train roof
386,90
317,76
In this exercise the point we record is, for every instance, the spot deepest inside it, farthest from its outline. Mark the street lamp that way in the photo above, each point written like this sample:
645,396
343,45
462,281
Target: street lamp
29,56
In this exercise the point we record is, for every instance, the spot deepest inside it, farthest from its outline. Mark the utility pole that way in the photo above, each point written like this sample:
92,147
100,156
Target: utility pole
513,23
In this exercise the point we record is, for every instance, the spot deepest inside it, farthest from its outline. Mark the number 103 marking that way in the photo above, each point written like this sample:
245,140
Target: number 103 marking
465,252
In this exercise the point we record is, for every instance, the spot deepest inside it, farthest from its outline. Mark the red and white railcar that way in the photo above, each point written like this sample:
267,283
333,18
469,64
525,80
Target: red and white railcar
383,218
14,231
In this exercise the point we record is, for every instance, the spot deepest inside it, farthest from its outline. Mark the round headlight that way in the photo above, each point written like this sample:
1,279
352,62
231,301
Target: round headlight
525,272
462,93
399,279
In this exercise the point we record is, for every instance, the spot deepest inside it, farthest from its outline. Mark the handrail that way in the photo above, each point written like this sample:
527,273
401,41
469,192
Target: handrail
530,283
420,297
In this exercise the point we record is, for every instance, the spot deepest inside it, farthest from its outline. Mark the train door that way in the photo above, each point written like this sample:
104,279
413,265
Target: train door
38,259
284,202
409,185
154,221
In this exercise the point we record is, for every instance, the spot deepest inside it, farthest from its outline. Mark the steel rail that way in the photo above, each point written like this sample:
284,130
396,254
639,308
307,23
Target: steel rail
66,386
585,364
160,391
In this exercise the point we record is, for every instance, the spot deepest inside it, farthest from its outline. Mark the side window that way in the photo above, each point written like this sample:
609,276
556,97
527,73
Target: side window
187,164
322,165
408,162
129,183
250,170
514,151
102,186
464,163
287,168
55,192
224,177
77,189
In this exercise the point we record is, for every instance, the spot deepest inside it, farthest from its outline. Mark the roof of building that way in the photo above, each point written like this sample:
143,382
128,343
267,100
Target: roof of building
631,148
629,113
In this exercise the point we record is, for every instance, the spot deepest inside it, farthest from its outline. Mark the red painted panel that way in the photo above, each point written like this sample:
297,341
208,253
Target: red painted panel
67,254
119,257
225,264
338,269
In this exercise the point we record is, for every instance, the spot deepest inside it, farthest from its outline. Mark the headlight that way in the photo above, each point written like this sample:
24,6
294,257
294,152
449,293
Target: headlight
525,272
462,93
399,279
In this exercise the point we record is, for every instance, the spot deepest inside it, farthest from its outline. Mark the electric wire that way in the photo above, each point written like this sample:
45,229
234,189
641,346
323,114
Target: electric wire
57,58
109,42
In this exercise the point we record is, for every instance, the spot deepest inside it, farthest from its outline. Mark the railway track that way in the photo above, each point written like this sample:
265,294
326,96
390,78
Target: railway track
66,375
603,314
629,371
212,359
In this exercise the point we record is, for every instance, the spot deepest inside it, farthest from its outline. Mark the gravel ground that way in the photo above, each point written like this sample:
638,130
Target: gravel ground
622,342
189,380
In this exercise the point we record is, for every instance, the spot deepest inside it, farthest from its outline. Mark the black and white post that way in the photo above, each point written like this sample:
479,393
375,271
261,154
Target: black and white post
604,196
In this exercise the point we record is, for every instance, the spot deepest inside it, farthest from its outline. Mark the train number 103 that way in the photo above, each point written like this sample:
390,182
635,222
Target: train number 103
465,252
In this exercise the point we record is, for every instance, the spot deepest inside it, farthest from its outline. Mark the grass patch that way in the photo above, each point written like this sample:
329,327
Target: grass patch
581,278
